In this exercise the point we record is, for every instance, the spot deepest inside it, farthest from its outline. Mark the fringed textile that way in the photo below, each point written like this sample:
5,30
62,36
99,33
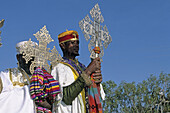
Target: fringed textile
43,86
94,97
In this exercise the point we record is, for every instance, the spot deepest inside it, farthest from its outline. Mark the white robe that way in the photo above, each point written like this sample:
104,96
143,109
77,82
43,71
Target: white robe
15,99
65,76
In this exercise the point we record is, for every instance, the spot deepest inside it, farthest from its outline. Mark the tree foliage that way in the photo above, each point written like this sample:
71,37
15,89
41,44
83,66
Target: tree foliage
149,96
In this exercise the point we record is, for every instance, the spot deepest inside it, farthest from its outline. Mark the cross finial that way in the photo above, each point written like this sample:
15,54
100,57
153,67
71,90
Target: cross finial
1,24
41,53
93,30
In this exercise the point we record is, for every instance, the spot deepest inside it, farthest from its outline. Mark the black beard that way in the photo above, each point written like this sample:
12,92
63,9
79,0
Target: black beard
74,54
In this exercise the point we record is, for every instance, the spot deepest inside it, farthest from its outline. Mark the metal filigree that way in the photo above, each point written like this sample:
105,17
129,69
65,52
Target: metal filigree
92,29
1,24
40,53
0,39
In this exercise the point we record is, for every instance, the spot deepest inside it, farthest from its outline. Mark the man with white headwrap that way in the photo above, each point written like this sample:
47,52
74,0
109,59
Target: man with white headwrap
14,86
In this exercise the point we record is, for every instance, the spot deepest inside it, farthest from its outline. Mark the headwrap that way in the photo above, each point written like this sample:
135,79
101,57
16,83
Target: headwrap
21,45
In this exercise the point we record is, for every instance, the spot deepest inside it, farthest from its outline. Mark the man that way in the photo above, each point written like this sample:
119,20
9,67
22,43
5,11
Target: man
73,76
15,96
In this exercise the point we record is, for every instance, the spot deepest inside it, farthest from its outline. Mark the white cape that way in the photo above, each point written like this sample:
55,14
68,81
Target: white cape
15,99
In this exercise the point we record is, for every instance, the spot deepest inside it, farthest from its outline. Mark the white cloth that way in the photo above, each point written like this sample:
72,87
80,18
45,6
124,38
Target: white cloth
65,76
21,45
14,99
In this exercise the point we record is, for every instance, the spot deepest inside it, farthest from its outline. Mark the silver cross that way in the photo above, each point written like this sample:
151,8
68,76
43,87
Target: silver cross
1,24
92,29
0,40
40,52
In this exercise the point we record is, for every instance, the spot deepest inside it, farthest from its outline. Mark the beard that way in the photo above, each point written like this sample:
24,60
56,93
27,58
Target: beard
77,54
74,53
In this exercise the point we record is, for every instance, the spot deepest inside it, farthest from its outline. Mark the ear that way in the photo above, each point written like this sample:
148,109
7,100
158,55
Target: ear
17,56
62,45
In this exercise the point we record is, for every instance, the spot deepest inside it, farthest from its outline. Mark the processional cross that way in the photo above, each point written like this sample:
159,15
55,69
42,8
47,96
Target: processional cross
92,29
99,36
1,24
40,52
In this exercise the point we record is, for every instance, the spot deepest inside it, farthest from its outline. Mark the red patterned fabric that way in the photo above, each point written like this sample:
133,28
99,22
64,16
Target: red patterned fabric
95,105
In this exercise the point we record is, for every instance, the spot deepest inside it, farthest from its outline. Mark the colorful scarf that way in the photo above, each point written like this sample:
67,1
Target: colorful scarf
43,86
94,97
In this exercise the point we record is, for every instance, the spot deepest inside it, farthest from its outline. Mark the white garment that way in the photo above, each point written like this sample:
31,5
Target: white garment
14,99
65,76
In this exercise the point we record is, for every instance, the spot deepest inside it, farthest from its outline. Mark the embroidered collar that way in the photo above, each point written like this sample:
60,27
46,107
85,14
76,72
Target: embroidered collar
79,67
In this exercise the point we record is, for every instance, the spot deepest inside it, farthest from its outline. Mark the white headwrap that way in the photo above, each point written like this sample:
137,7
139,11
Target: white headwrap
22,45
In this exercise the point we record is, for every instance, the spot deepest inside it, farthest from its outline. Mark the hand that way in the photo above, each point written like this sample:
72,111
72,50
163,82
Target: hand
44,104
97,76
93,66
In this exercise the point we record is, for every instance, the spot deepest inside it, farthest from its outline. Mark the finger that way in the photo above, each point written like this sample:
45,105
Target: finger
98,59
98,81
98,71
98,65
97,78
97,74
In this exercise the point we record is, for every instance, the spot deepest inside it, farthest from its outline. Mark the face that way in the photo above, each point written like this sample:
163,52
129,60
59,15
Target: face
23,64
72,48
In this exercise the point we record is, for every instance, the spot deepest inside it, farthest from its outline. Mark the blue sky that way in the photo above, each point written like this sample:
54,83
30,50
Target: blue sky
140,31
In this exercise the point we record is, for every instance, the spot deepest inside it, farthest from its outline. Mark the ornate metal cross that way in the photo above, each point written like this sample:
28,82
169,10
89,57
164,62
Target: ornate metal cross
1,24
92,29
0,40
40,52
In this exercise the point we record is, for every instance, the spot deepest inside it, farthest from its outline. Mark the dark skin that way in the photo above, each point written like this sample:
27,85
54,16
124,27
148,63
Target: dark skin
71,50
23,64
26,67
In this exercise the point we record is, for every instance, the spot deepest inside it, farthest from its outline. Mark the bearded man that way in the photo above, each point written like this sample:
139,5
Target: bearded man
73,76
14,95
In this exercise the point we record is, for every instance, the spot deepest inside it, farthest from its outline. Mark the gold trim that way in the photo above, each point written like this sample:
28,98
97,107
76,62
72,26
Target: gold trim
1,85
10,75
67,33
69,40
24,73
18,83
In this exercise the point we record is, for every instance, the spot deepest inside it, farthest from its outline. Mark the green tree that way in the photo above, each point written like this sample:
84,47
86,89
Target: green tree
150,96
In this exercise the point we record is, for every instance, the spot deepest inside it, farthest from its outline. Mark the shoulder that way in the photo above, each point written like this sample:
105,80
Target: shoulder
61,70
5,72
82,66
63,73
61,67
13,71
